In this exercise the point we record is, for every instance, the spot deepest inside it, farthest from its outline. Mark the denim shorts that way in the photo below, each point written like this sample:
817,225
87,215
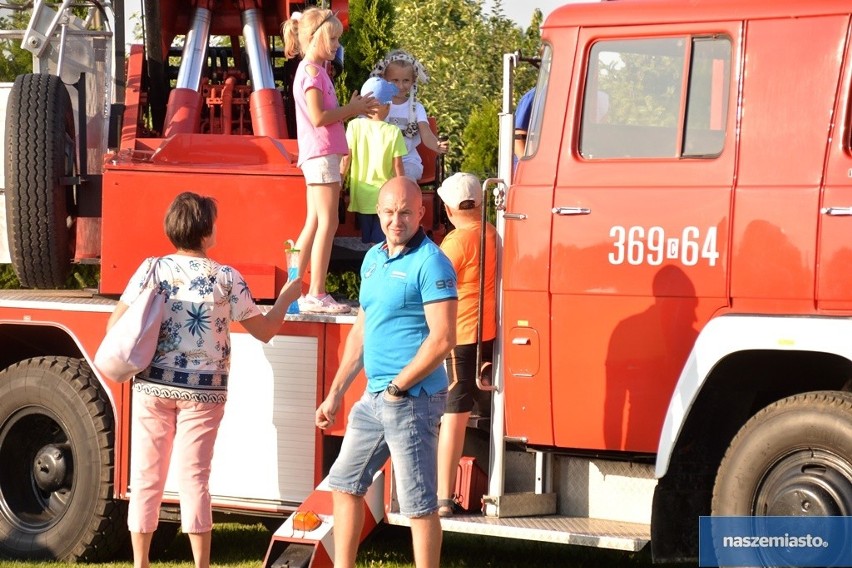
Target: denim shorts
407,430
322,169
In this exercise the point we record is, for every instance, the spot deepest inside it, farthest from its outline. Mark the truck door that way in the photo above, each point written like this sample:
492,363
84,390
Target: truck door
641,223
834,265
525,324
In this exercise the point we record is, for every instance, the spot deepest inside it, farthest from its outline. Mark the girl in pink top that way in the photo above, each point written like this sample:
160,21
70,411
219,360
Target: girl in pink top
315,36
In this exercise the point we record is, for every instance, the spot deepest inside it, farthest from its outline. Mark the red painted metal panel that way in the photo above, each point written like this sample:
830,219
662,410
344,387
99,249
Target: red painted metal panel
335,342
652,12
627,278
782,158
834,262
529,400
257,213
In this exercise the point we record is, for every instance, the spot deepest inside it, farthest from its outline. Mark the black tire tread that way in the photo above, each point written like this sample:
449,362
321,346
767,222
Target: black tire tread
840,400
105,530
37,116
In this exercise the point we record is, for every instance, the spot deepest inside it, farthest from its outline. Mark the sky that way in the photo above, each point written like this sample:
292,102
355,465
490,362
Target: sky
521,11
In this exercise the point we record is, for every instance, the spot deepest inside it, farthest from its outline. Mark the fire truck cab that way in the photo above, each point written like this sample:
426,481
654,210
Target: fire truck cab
675,291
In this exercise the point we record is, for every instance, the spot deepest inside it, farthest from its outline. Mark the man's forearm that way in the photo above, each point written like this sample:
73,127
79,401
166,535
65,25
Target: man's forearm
352,361
346,373
432,353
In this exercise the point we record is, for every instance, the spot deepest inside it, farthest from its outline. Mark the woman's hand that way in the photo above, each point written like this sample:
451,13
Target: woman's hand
291,291
365,104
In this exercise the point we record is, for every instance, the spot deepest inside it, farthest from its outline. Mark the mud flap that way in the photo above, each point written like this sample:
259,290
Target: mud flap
306,539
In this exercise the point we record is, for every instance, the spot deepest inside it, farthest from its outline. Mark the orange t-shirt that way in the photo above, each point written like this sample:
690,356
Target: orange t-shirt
462,248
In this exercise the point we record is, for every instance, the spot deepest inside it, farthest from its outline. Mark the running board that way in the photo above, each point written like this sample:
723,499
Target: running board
582,531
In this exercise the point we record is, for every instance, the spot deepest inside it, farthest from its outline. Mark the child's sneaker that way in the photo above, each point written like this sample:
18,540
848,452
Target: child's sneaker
324,305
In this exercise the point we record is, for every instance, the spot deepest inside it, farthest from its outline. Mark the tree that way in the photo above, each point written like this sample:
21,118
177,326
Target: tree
462,49
369,38
480,136
15,59
526,74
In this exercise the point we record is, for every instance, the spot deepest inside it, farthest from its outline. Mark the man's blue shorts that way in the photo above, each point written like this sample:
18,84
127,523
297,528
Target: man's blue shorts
407,430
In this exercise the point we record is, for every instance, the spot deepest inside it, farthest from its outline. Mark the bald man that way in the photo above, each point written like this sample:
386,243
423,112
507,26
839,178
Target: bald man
404,330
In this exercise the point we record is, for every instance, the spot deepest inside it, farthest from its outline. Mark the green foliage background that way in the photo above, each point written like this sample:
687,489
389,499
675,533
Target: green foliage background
15,60
462,49
480,136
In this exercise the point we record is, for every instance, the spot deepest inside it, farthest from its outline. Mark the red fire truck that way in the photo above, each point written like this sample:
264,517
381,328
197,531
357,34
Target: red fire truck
674,291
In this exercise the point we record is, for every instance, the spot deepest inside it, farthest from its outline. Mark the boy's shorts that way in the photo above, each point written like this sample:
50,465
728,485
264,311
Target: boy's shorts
371,228
462,371
407,429
322,169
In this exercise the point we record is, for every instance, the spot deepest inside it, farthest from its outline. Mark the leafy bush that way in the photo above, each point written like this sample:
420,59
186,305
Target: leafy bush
8,278
346,284
480,134
82,276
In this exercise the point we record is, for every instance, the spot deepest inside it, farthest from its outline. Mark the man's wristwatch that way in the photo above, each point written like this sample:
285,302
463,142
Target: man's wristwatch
394,390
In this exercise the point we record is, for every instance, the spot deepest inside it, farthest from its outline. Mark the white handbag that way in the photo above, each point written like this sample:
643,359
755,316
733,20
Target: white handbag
130,344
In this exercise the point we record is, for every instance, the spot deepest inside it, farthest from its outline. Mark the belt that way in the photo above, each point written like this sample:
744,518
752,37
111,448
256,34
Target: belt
188,379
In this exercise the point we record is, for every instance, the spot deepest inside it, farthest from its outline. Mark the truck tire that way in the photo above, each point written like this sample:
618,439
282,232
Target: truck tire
40,162
57,464
798,446
793,458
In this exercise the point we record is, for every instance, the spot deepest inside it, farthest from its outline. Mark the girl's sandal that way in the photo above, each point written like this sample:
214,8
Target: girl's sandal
446,507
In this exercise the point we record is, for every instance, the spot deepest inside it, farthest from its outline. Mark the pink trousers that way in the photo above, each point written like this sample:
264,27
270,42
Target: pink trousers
159,426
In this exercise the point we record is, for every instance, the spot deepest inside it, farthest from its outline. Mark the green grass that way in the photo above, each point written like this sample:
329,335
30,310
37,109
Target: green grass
244,546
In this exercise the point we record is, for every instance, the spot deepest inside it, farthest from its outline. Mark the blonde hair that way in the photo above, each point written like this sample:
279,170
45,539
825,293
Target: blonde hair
404,64
403,59
303,27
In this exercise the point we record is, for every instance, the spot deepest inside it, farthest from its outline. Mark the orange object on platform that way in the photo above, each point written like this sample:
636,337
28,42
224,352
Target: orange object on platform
471,484
306,521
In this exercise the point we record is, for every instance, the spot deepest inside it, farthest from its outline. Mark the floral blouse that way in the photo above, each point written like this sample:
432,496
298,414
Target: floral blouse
194,350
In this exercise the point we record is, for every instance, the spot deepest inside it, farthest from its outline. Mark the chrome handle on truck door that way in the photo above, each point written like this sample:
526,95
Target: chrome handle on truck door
837,211
571,211
514,216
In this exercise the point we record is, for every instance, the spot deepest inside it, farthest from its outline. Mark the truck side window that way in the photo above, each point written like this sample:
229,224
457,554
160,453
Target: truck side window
637,103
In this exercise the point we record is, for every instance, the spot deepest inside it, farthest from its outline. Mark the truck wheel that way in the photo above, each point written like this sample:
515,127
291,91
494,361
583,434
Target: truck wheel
57,464
792,458
40,162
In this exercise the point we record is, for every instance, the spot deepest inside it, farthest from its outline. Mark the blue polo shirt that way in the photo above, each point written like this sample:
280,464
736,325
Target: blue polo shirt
393,294
524,110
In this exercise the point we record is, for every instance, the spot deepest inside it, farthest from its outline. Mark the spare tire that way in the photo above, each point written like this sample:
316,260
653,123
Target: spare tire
40,165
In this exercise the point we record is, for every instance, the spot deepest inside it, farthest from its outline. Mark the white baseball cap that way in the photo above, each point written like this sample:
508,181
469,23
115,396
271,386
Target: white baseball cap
461,191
